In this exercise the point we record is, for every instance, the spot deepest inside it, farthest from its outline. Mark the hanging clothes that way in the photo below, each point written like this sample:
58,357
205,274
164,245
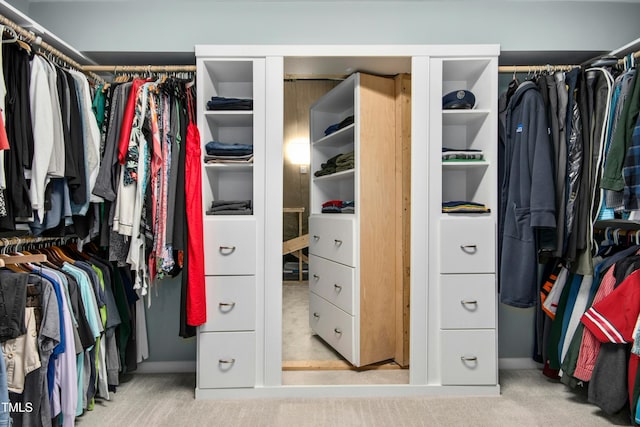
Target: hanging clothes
528,199
196,296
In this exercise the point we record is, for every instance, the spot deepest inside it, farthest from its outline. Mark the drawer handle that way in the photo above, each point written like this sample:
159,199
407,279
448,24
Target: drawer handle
226,361
468,358
337,331
316,237
470,249
316,315
315,276
227,250
468,302
337,242
337,287
228,305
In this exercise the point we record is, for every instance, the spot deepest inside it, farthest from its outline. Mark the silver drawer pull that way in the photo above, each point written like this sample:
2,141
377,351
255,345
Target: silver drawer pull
468,358
337,331
227,361
337,287
227,250
316,315
315,276
470,249
316,237
468,302
229,305
337,242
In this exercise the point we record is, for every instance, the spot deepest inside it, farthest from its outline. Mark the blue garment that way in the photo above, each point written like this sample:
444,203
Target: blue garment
571,301
5,418
224,103
631,171
60,348
217,148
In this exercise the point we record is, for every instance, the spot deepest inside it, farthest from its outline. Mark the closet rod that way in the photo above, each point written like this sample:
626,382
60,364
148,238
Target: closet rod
547,67
140,68
534,68
37,40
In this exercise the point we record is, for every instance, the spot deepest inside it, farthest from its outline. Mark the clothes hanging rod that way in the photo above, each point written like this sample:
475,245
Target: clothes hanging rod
37,40
547,67
140,68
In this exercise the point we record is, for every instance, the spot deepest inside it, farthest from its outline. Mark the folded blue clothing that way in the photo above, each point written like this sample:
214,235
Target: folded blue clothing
217,148
224,103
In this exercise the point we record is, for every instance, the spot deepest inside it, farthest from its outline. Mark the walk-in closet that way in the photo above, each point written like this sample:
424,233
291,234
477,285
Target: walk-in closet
318,213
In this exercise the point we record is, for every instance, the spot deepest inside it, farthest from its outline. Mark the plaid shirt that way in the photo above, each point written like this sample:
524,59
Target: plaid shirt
631,171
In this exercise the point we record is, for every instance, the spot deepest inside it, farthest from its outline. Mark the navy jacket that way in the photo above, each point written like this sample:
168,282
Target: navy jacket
527,194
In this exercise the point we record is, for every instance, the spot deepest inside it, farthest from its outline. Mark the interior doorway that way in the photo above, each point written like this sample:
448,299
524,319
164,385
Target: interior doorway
306,358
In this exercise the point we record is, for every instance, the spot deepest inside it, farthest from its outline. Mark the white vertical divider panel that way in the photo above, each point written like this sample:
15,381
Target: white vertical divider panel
259,199
419,219
434,193
271,345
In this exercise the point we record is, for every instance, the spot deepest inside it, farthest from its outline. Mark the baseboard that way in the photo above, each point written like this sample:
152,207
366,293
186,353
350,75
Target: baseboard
183,366
177,367
510,363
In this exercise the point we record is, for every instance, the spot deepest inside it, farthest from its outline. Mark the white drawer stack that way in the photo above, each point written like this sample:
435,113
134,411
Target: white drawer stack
468,301
332,272
227,342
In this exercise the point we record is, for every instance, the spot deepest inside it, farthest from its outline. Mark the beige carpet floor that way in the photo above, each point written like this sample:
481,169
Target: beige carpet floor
298,340
527,399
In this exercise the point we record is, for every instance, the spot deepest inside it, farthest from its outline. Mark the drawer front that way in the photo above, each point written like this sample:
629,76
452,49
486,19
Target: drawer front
226,359
332,281
467,301
230,246
468,357
333,238
467,245
333,325
231,303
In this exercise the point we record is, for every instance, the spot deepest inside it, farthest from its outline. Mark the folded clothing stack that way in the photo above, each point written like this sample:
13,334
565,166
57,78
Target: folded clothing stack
223,103
339,206
338,163
219,152
337,126
450,154
463,206
230,207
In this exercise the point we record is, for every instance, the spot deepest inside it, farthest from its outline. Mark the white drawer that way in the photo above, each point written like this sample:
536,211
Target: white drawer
333,237
231,303
468,357
467,301
332,281
229,246
467,245
226,359
333,325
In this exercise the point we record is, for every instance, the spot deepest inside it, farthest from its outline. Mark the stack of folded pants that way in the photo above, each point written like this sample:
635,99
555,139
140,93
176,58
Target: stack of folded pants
222,103
230,207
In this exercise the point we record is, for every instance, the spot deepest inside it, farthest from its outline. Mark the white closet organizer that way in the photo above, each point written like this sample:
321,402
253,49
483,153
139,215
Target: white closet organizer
463,276
453,336
352,255
227,342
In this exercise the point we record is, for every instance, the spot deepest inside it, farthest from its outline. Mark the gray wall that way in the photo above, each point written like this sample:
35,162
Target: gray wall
533,30
176,26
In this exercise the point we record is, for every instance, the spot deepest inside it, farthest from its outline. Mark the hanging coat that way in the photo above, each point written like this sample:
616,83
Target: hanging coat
527,194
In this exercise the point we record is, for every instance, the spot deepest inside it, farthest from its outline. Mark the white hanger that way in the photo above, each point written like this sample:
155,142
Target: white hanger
14,35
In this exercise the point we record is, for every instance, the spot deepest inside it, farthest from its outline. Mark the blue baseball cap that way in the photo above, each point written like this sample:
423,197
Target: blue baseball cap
458,99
